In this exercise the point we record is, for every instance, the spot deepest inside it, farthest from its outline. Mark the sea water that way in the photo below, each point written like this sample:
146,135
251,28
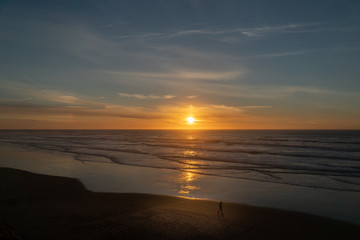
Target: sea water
311,171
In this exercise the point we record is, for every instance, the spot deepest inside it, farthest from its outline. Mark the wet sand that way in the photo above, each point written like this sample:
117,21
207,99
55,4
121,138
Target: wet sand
34,206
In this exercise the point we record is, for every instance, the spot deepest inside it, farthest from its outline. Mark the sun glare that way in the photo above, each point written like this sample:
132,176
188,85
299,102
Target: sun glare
190,120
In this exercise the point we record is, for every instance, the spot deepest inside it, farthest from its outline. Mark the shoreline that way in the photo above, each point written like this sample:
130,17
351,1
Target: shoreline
101,177
48,207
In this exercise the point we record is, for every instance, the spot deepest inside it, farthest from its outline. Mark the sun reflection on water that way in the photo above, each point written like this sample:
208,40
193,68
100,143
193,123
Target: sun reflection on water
188,176
190,137
190,153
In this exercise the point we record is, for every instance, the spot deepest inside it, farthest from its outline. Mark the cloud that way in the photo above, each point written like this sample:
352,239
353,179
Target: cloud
232,33
255,107
75,109
206,75
181,74
190,32
303,89
118,116
175,59
29,101
25,93
143,97
263,92
281,54
38,112
236,109
56,97
71,106
227,108
250,34
260,31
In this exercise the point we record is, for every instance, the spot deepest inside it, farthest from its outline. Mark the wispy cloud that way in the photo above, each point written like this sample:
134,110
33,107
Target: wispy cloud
146,97
265,92
118,111
231,34
38,104
42,94
190,32
184,74
280,54
265,30
227,108
256,107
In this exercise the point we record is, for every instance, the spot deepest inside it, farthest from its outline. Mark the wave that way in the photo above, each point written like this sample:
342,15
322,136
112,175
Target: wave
252,151
337,166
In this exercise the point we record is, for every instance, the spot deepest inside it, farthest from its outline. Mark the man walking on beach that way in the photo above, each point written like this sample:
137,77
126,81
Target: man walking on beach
220,209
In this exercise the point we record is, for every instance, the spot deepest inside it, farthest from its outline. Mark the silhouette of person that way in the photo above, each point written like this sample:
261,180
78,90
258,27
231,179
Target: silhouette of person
220,209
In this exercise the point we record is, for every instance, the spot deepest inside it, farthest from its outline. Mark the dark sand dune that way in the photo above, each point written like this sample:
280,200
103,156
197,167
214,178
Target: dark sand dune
45,207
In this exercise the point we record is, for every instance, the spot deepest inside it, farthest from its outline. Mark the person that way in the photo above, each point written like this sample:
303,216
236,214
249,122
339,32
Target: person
220,209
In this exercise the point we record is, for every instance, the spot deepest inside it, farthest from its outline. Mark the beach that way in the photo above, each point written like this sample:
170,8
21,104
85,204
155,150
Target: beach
313,172
36,206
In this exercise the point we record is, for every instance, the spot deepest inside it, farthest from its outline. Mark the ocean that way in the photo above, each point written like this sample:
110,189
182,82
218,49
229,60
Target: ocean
311,171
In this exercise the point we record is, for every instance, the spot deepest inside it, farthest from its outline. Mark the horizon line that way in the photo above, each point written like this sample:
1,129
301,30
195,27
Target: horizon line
177,129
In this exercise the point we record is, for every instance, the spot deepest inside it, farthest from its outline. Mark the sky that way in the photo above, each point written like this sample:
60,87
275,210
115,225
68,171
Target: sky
141,64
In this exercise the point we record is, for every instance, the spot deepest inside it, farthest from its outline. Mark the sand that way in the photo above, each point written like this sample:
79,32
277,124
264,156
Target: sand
34,206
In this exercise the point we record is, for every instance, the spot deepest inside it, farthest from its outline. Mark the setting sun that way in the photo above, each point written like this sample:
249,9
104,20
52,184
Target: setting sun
190,120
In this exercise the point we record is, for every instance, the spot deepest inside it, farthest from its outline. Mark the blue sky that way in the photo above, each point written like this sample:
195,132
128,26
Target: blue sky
151,64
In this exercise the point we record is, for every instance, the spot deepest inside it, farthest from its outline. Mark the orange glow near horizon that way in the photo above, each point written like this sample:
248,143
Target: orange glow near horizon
177,116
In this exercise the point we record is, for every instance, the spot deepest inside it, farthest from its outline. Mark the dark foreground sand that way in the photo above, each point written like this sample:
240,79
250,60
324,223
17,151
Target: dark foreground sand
39,207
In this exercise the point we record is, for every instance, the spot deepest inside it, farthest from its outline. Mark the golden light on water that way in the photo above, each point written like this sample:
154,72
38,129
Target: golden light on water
190,137
189,153
187,178
187,186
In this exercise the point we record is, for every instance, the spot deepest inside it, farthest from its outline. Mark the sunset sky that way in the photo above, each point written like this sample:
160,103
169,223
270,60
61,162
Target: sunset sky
152,64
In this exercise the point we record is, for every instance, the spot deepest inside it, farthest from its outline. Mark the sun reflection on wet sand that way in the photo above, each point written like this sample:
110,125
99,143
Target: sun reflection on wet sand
187,185
186,179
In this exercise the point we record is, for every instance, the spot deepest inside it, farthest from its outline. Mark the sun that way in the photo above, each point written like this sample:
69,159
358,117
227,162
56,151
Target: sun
190,120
